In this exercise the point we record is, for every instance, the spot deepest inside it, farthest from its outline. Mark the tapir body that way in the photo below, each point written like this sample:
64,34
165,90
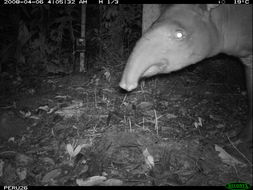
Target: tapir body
186,34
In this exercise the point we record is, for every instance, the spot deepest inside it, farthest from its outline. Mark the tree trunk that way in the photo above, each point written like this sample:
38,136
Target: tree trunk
82,54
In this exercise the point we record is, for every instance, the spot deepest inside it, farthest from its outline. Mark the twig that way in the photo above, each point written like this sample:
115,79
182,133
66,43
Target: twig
239,151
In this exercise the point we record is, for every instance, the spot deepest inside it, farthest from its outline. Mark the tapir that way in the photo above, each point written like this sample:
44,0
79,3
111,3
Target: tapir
186,34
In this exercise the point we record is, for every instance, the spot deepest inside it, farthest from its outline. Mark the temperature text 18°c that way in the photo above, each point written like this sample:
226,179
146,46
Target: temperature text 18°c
239,2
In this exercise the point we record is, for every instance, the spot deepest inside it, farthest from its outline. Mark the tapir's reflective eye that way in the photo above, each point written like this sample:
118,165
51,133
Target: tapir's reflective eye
179,34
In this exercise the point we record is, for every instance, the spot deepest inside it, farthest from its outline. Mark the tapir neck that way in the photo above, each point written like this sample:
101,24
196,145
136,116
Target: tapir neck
233,23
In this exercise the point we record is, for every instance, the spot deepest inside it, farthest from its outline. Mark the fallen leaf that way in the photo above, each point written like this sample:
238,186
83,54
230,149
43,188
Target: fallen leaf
227,158
148,159
48,160
22,173
112,182
145,105
44,108
71,150
220,126
1,167
51,175
91,181
171,116
23,160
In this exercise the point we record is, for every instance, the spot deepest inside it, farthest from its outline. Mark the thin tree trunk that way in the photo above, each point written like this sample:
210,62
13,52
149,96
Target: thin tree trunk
83,23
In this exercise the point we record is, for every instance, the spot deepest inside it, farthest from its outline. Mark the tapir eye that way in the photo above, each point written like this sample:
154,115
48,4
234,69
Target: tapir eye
179,34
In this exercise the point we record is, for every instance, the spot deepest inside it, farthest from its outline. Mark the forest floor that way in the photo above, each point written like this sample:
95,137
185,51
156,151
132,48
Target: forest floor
176,129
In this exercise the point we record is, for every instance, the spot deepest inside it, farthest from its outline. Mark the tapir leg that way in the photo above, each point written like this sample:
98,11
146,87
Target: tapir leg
246,133
248,71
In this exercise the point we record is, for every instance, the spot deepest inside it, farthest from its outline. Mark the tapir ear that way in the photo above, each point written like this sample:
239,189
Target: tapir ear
207,7
211,6
206,10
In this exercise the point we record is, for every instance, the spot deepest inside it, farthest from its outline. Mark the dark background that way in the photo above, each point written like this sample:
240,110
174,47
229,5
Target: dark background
41,40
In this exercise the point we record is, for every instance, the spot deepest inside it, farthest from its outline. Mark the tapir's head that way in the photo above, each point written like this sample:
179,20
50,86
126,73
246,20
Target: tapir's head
169,45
